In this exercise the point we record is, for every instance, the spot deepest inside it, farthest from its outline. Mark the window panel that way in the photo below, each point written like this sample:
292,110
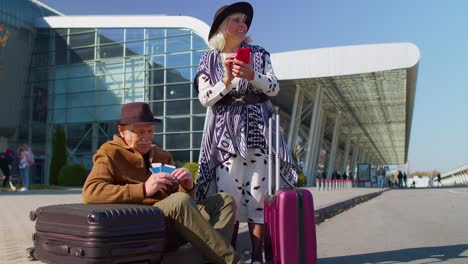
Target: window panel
156,62
178,43
196,140
178,75
60,49
80,99
80,55
80,70
42,45
198,42
134,48
134,95
108,97
178,91
157,92
181,157
81,30
82,40
158,139
154,46
134,64
109,82
198,122
110,35
134,34
109,66
80,84
60,101
134,79
177,31
110,51
155,32
197,108
177,124
156,77
177,141
75,115
195,155
40,59
108,112
178,59
178,108
197,55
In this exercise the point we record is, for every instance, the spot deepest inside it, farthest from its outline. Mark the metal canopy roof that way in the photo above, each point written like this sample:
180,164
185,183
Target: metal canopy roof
373,86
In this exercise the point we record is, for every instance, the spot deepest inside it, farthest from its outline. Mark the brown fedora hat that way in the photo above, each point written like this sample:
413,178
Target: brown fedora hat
137,113
225,11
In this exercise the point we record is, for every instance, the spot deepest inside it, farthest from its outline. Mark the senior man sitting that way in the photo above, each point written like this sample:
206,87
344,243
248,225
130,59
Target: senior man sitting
121,174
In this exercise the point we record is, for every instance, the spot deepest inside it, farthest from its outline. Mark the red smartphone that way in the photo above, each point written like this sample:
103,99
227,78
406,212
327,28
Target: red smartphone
243,54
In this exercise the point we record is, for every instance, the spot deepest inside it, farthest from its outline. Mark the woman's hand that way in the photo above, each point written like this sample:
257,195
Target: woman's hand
228,67
184,176
242,70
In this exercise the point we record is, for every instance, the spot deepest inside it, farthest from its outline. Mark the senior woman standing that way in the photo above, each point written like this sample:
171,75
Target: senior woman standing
234,156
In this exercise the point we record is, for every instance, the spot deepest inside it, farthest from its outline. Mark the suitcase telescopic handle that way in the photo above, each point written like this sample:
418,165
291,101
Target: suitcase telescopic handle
125,251
274,114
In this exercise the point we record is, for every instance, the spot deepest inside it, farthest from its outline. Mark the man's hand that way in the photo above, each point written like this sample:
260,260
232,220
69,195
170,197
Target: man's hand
159,181
184,176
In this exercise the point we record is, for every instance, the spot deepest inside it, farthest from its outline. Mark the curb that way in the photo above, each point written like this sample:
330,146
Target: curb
327,212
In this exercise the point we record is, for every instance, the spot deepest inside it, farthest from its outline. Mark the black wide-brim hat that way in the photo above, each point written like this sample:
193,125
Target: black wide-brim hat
225,11
137,113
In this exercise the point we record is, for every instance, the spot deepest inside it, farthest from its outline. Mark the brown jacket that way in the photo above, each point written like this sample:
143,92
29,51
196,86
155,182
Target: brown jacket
119,173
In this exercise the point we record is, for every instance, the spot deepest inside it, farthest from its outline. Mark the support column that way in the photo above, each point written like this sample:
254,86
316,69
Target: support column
346,152
318,137
313,132
293,123
334,147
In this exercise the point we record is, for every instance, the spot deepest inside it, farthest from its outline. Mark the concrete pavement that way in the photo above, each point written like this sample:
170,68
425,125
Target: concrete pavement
16,229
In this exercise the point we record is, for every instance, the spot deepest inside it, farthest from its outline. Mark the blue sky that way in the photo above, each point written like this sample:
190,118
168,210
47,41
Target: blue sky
439,134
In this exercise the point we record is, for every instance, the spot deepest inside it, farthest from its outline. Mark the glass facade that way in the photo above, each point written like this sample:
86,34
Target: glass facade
80,77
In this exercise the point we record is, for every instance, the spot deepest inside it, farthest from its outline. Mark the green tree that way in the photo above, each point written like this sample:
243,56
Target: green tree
59,154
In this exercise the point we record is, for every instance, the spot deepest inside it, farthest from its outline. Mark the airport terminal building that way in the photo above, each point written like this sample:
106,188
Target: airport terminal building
77,71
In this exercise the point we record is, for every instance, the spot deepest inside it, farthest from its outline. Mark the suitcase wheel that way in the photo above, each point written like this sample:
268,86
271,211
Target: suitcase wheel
32,215
30,252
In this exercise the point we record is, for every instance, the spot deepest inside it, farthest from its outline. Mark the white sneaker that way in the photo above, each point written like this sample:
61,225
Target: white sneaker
24,189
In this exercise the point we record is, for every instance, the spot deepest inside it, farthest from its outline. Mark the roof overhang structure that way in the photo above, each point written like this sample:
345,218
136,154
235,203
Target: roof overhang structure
373,86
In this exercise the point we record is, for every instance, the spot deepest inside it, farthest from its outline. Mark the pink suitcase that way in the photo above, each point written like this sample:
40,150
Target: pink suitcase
289,219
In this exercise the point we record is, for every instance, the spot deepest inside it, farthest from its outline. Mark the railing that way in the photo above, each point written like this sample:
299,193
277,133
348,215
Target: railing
330,185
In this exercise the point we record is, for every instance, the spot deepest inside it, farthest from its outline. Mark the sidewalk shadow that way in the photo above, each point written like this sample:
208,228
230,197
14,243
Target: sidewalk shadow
428,254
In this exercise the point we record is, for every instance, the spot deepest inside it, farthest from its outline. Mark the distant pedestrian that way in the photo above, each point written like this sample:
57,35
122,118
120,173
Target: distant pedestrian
26,160
439,179
400,179
381,178
405,178
6,160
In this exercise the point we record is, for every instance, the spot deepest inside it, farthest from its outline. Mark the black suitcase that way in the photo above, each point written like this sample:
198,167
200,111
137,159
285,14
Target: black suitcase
101,233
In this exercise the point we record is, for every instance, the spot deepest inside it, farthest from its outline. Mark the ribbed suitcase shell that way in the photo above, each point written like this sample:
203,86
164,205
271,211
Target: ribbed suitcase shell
103,233
290,228
289,216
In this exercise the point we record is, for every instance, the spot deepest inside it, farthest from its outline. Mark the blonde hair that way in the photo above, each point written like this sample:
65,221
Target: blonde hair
218,40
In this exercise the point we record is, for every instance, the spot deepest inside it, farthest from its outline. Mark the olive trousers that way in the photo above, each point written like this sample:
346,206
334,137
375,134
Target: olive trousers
207,226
